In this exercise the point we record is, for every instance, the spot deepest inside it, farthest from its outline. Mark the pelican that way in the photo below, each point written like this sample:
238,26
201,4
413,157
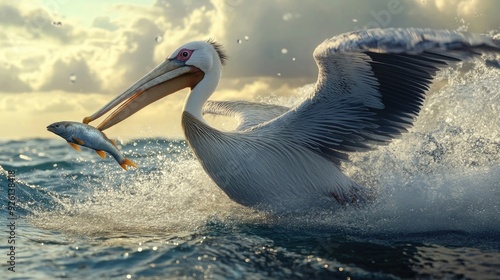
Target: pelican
370,88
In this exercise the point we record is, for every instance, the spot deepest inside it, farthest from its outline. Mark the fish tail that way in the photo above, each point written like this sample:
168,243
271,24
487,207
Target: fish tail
126,162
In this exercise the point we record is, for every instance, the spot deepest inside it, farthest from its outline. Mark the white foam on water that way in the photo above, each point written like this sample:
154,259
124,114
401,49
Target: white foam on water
445,173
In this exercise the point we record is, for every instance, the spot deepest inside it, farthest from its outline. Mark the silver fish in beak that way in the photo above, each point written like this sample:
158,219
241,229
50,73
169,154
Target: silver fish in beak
79,134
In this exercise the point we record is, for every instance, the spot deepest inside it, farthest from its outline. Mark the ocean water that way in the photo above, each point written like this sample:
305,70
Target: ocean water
436,213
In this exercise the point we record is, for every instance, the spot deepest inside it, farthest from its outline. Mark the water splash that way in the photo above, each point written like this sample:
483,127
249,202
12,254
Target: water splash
175,195
443,175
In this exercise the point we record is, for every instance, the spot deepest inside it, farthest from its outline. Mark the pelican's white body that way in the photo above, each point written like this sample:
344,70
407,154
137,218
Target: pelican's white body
237,166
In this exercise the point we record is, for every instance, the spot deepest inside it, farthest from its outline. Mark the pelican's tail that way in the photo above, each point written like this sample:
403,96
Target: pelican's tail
126,162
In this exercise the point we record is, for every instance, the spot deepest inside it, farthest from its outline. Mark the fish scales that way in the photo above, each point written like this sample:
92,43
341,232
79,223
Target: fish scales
80,134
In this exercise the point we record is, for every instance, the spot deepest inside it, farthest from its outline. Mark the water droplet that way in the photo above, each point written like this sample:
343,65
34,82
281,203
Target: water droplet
159,39
129,276
293,58
284,51
238,41
287,16
57,23
72,78
354,20
247,38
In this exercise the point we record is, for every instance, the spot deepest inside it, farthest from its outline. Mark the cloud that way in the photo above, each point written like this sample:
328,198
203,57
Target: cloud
300,26
9,80
136,58
187,21
9,15
102,59
118,49
477,16
71,75
176,11
105,23
467,9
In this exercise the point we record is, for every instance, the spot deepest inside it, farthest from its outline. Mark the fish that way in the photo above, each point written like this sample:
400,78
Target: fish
79,134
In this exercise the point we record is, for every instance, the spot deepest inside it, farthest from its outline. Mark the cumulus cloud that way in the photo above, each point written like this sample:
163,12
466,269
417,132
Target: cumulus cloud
105,23
72,75
137,57
9,80
103,60
475,15
9,15
120,49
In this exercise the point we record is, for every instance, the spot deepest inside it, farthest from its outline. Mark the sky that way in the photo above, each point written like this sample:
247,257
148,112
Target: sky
64,59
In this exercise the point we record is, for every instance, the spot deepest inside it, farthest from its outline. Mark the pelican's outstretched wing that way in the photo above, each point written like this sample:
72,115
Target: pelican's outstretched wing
247,113
370,87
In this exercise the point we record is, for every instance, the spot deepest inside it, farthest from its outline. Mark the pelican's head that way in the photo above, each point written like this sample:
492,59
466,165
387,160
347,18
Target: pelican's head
185,67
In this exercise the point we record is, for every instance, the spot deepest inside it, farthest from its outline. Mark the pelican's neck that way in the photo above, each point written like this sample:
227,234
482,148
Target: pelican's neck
200,93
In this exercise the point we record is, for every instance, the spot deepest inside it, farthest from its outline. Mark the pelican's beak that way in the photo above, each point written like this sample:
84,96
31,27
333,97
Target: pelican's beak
166,78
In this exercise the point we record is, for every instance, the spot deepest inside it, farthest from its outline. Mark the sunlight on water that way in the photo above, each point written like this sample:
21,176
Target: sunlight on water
443,175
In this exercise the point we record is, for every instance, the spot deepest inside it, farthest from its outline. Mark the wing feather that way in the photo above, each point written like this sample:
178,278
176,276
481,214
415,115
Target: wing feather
247,113
371,86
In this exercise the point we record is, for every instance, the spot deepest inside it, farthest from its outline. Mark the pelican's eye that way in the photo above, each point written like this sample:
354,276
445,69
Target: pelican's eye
184,54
